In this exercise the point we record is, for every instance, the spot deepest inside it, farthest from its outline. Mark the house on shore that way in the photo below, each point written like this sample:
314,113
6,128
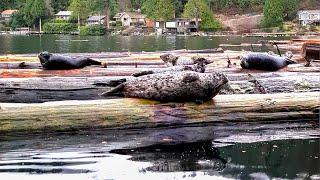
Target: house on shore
130,18
309,17
96,20
7,14
177,26
64,15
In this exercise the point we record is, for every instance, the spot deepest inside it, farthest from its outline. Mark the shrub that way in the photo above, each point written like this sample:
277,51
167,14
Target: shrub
59,28
95,30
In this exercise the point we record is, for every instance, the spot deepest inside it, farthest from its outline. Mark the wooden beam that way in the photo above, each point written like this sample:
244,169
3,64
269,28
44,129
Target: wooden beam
138,113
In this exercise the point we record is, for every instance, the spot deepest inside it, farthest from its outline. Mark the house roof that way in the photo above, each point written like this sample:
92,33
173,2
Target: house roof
64,13
136,15
133,15
9,12
95,18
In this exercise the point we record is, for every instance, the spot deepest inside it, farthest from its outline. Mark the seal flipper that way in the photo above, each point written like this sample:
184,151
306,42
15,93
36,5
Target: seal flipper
94,62
117,91
289,61
112,83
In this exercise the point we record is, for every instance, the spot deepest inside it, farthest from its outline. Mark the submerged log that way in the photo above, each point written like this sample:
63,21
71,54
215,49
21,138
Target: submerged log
36,90
137,113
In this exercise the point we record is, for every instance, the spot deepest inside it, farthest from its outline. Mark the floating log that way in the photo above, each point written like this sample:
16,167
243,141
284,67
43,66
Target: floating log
36,90
138,113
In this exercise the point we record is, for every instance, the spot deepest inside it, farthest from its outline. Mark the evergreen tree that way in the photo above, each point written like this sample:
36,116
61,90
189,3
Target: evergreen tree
39,10
80,9
150,9
27,14
165,10
159,9
199,9
106,7
273,13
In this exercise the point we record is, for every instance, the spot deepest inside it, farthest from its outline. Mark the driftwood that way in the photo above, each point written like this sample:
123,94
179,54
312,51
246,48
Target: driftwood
137,113
36,90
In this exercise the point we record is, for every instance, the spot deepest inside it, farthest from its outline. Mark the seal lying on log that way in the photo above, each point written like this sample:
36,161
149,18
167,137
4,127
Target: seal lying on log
58,62
199,67
172,60
263,61
172,87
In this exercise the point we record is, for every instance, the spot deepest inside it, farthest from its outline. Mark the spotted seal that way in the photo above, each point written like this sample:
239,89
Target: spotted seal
50,61
263,61
199,67
186,86
172,60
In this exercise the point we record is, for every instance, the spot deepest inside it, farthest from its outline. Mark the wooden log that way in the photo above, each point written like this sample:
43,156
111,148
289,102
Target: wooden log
138,113
36,90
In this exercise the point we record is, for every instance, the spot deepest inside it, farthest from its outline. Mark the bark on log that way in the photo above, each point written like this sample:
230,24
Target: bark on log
36,90
137,113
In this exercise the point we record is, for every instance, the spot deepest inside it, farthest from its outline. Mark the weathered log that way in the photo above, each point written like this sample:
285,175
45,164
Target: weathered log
138,113
36,90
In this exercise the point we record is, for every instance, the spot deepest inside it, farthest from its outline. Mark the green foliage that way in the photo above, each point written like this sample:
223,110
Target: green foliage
199,9
80,8
59,5
149,8
277,11
17,20
158,9
95,30
165,10
56,28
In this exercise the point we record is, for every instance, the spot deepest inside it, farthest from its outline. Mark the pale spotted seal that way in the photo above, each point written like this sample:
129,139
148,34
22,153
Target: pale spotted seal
172,60
183,86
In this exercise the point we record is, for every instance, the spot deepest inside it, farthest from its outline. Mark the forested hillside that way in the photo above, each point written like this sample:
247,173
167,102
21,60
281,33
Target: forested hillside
275,11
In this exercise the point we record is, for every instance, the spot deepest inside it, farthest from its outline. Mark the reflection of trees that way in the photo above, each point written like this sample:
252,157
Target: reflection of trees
283,159
179,157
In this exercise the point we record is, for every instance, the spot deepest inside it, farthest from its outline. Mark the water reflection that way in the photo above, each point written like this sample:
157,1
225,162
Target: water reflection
199,156
281,159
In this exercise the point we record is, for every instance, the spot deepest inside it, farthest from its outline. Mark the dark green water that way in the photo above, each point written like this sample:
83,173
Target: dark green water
77,44
105,155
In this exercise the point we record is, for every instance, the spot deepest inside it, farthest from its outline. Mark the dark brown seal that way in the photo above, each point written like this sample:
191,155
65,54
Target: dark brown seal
263,61
58,62
172,87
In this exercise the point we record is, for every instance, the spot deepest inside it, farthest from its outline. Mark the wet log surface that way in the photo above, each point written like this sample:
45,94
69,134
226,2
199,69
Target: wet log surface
138,113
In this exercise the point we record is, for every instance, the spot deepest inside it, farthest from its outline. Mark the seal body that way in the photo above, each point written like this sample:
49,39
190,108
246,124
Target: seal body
264,61
201,68
176,87
59,62
172,60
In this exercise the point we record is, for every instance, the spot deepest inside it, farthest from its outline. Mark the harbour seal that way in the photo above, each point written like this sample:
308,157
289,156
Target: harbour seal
172,60
263,61
199,67
58,62
184,86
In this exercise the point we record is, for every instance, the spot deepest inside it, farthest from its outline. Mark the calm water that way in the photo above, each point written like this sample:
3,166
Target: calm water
105,155
77,44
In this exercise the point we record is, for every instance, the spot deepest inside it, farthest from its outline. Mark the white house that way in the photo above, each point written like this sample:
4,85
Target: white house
130,18
95,20
65,15
309,17
177,26
7,14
